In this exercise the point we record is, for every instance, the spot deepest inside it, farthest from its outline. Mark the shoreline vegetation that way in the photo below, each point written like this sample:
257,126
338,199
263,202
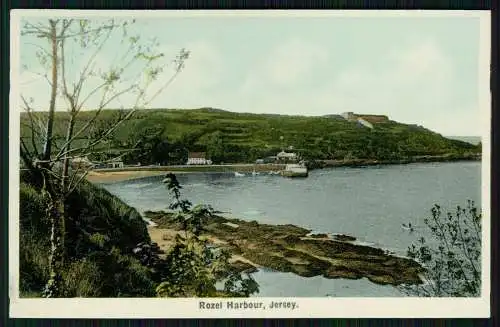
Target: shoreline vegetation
110,175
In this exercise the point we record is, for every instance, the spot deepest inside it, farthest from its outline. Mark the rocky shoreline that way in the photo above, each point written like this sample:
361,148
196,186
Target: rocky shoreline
320,164
289,248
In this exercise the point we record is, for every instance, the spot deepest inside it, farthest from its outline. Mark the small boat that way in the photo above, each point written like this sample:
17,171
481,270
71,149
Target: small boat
254,173
238,174
295,170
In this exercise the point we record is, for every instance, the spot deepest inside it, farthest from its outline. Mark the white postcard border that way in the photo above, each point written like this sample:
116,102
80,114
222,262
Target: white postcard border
190,308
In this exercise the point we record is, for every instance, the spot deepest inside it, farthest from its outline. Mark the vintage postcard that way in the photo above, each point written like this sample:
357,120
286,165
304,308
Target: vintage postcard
190,164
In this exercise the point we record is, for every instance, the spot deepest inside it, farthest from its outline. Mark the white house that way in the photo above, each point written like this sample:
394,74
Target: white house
287,156
349,116
198,158
116,163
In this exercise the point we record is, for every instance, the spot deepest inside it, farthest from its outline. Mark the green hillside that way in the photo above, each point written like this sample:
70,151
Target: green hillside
167,135
100,237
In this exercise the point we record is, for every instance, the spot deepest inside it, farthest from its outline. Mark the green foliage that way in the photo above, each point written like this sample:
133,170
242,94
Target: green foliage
33,263
107,273
123,275
453,257
32,209
242,137
192,267
83,278
100,237
95,210
192,270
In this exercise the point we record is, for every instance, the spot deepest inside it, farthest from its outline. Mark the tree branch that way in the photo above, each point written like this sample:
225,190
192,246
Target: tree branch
50,122
90,122
83,75
32,127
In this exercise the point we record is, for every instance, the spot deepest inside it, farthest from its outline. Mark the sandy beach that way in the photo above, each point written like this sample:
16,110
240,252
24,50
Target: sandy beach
118,176
122,174
165,238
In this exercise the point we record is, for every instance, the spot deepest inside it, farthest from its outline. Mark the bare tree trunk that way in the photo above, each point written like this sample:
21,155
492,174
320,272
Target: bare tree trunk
53,286
50,122
65,168
65,185
55,210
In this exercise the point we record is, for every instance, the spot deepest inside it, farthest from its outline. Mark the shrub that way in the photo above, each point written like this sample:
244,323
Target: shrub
33,264
82,278
32,216
453,257
101,231
192,268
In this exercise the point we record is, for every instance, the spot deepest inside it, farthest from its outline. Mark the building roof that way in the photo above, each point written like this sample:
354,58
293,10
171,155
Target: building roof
200,155
286,154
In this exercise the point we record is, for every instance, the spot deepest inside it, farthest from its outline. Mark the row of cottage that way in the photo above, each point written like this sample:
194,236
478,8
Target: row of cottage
194,158
200,158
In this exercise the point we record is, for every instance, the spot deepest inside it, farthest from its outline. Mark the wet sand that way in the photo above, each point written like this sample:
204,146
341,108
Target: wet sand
165,238
118,176
123,174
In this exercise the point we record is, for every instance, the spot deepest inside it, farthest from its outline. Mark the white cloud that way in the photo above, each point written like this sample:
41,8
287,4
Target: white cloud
289,64
414,82
293,61
409,83
34,88
203,72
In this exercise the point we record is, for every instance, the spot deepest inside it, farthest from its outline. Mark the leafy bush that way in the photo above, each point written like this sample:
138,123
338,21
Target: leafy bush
123,275
192,267
33,264
94,209
453,257
32,216
83,278
101,231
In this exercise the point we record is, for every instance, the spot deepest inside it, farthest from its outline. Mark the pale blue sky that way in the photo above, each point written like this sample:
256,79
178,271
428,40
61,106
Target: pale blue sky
421,70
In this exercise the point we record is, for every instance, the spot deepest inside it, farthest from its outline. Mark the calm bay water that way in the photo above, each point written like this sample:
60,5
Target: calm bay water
370,203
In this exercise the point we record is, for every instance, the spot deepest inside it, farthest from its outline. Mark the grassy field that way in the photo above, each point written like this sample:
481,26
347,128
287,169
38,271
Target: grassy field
243,137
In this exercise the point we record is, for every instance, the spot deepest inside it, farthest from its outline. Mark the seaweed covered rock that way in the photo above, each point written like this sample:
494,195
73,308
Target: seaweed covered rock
289,248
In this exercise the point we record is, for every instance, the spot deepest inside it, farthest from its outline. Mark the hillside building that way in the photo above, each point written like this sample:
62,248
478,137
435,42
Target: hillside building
287,156
198,158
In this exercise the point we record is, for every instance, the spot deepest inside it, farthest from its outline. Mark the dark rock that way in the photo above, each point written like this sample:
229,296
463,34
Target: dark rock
243,267
286,248
344,238
322,235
